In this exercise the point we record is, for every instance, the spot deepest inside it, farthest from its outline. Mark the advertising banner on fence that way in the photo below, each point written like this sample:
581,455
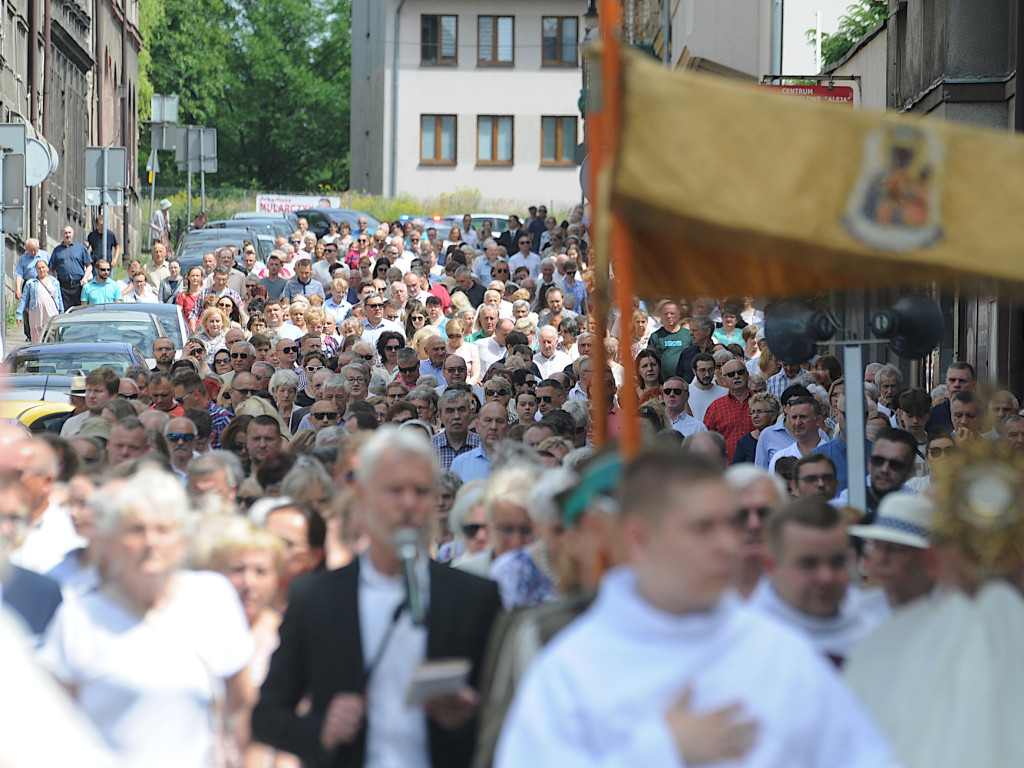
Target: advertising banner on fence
285,203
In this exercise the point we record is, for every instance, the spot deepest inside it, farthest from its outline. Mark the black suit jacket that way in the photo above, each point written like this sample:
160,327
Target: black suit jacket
321,655
33,597
509,239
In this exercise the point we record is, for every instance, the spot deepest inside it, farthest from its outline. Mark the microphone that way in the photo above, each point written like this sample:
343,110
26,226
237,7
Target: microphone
406,542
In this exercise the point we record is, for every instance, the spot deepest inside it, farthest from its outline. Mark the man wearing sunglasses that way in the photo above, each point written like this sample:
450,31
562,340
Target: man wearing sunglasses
181,434
890,465
374,323
676,395
101,289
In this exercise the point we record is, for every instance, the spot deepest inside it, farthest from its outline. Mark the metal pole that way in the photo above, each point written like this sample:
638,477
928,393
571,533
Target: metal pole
188,170
666,30
3,259
103,209
853,375
202,171
152,199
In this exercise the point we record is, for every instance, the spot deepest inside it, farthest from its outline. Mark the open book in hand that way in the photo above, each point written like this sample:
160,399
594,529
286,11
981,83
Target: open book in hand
435,678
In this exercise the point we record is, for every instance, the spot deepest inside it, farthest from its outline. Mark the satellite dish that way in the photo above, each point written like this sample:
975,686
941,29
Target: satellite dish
38,161
913,326
793,330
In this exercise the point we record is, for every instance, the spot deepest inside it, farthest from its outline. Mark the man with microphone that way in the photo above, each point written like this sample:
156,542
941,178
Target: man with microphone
354,638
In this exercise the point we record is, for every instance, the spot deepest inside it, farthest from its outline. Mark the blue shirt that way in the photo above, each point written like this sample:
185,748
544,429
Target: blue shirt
69,262
295,288
94,293
472,465
26,268
836,450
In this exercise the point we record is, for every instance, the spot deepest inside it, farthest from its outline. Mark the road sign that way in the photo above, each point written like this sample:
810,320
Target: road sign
829,94
117,167
12,137
114,196
200,144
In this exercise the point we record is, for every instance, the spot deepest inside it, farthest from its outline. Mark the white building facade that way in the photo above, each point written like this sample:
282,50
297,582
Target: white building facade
484,96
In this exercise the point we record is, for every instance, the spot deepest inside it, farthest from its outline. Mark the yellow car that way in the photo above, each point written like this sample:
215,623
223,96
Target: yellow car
36,415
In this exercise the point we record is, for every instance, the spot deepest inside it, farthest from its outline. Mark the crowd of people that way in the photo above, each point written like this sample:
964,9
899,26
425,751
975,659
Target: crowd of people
213,554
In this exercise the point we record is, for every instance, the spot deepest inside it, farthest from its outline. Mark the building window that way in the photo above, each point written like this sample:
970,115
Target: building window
560,40
494,140
495,40
557,140
437,139
439,39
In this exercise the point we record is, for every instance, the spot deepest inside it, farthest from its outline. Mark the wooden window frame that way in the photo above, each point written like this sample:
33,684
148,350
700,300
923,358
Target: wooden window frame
438,122
494,140
564,162
493,62
556,63
439,62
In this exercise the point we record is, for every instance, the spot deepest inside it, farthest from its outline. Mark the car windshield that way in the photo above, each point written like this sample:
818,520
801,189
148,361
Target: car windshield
67,363
140,333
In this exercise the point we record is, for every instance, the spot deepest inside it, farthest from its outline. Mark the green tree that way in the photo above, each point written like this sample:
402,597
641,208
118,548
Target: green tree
271,77
853,25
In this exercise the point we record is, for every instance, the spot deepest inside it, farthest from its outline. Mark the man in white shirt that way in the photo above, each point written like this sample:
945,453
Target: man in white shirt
703,390
667,668
491,349
677,394
808,584
549,359
351,644
525,256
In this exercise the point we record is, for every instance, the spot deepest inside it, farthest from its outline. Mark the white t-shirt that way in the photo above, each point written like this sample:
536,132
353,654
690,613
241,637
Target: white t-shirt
148,684
700,399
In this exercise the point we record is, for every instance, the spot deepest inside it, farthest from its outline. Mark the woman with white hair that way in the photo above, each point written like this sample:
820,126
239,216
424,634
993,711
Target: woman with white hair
529,575
157,655
468,523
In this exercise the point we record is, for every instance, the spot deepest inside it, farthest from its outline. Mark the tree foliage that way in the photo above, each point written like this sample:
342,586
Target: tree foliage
853,25
271,77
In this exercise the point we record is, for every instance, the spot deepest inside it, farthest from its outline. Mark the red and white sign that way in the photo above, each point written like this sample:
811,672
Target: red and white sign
836,94
286,203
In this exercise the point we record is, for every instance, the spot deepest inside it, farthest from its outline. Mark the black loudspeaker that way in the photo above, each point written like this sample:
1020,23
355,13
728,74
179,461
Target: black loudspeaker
913,326
793,330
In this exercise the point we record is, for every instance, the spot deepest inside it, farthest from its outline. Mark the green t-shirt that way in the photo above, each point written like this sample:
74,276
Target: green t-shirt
669,346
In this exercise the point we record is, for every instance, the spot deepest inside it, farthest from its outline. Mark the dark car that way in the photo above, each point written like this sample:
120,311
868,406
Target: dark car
276,226
291,219
195,244
318,219
68,358
35,386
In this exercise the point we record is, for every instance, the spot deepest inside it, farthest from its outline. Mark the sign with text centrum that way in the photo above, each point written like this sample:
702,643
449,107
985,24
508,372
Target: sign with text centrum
285,203
836,94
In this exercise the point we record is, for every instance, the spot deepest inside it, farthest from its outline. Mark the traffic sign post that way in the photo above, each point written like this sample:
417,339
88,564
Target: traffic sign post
196,152
106,177
164,134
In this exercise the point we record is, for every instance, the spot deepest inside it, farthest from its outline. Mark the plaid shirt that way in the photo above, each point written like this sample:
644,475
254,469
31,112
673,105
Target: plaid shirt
446,454
220,418
730,418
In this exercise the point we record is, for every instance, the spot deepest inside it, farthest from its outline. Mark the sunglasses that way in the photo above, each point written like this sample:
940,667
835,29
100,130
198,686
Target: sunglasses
239,355
936,452
470,530
249,392
732,374
375,305
324,415
130,397
674,391
367,357
877,462
410,369
289,350
391,348
102,269
246,501
222,359
498,391
314,368
238,447
546,398
179,437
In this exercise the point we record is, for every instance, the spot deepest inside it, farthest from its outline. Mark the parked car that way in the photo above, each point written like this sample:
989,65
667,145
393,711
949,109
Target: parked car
291,219
170,315
195,244
318,218
276,227
71,357
132,328
499,221
37,416
33,387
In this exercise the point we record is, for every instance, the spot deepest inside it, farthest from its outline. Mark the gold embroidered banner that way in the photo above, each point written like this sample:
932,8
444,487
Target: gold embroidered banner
730,189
